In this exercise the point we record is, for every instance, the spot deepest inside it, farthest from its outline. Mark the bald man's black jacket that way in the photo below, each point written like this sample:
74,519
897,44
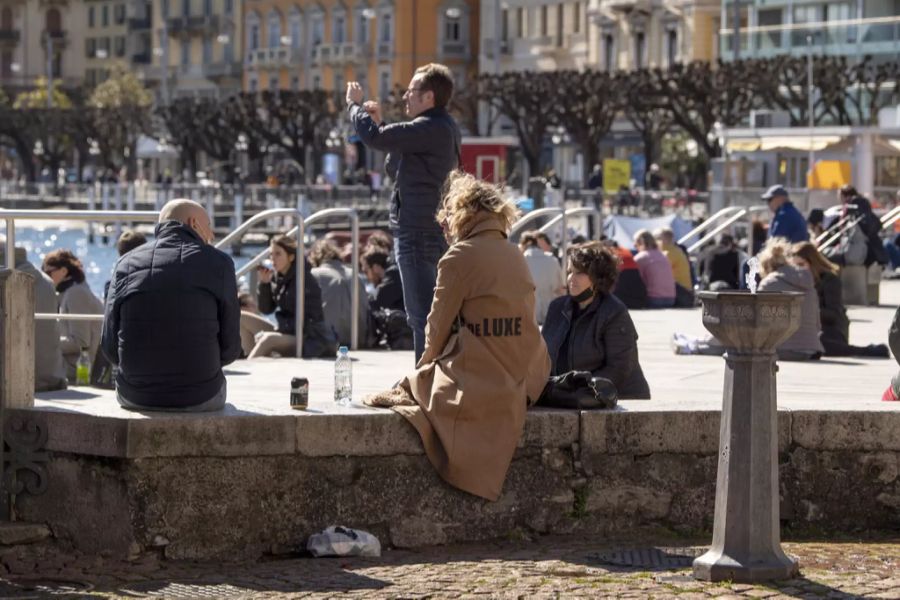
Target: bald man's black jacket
172,320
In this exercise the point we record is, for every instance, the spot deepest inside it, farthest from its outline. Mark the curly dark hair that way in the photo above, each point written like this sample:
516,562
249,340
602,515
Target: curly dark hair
599,262
62,258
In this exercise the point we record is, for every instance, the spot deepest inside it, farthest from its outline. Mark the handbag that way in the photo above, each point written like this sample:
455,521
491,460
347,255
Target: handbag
579,390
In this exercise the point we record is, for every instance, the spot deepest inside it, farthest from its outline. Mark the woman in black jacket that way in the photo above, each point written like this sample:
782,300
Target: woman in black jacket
590,329
277,293
835,334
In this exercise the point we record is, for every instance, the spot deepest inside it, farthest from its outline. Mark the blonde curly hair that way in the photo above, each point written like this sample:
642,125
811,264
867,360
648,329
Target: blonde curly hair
776,253
464,196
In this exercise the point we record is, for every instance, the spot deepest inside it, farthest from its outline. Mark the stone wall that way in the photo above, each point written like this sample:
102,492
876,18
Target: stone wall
239,486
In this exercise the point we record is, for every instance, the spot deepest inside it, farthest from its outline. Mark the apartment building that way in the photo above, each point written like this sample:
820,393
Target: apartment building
303,44
196,47
39,38
853,28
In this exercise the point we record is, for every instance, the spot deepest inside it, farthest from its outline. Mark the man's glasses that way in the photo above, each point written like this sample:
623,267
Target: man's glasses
51,271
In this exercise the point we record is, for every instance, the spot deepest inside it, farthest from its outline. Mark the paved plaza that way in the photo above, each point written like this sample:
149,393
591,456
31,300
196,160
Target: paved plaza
548,567
521,565
676,382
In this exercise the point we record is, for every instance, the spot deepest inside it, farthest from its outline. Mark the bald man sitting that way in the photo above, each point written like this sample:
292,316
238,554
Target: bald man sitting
172,317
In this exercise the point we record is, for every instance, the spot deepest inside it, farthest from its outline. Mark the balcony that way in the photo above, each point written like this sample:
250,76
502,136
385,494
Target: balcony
455,49
351,52
385,49
139,24
10,37
60,38
548,45
222,70
193,24
273,58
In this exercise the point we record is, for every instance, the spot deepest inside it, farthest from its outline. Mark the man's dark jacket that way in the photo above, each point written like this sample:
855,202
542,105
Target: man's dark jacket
600,339
172,320
389,293
428,148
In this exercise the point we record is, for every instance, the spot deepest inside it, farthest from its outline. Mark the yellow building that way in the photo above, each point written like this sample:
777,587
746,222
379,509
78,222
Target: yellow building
196,47
307,44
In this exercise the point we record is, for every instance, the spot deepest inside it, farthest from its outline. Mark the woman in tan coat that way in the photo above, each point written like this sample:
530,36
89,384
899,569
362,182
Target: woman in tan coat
485,361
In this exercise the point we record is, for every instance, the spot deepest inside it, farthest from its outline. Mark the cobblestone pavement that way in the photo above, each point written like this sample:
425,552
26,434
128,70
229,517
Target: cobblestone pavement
549,567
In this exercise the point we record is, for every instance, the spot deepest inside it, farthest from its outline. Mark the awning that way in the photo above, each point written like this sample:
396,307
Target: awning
769,143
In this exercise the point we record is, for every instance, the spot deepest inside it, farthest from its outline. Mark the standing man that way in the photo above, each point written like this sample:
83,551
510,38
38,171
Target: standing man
787,222
423,151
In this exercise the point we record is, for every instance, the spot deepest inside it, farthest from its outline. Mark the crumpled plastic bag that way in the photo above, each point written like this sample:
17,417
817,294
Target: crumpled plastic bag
343,541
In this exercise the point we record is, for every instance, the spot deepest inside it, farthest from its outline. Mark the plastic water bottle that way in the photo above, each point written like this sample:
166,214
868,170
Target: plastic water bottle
83,368
343,377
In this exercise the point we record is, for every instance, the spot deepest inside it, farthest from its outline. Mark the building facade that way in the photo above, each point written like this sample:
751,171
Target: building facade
196,47
636,34
304,44
39,38
855,28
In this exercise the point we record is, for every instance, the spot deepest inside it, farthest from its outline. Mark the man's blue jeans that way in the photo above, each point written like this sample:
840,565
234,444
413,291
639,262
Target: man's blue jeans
417,254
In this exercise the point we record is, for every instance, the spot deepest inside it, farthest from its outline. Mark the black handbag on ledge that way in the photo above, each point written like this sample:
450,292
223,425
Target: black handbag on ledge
579,390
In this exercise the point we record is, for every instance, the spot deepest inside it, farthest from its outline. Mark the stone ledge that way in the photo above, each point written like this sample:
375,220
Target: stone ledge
842,430
369,433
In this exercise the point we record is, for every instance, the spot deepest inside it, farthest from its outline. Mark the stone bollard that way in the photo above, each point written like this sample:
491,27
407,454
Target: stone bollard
16,339
746,543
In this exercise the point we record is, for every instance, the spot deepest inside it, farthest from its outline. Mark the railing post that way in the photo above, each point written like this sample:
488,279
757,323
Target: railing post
16,338
238,216
129,201
118,228
354,302
299,265
92,205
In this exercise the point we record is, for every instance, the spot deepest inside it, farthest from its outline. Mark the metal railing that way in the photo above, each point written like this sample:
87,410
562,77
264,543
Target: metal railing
299,231
354,245
584,211
731,215
560,217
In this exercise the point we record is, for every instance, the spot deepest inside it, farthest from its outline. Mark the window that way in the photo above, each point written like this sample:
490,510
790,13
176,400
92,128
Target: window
318,29
671,46
504,25
339,86
560,22
228,51
229,7
120,46
769,38
273,29
520,22
544,18
165,9
104,18
253,35
452,30
90,16
253,85
386,31
576,18
362,29
120,14
185,53
384,85
207,8
90,47
185,8
295,25
640,46
609,51
339,31
317,82
273,82
207,50
295,83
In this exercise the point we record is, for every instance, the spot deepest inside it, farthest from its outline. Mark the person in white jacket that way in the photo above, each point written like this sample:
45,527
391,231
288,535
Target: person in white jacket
548,277
75,297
